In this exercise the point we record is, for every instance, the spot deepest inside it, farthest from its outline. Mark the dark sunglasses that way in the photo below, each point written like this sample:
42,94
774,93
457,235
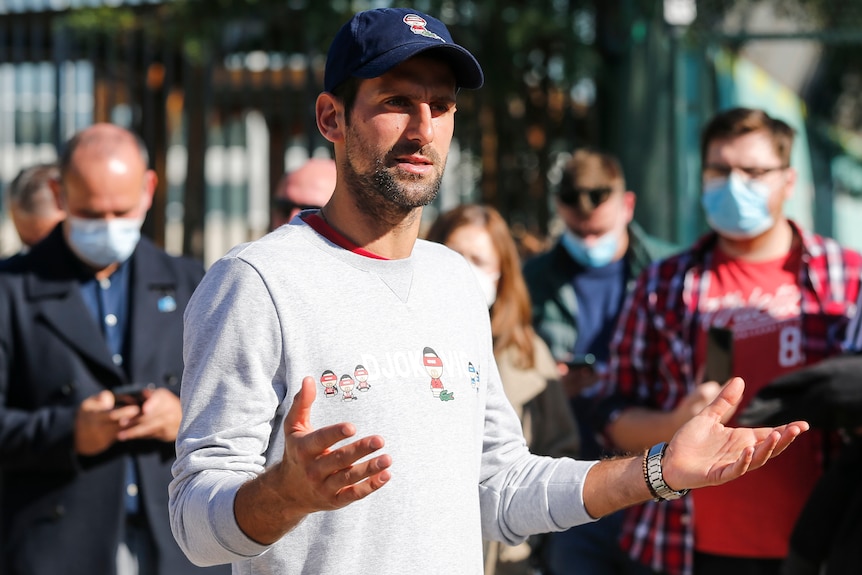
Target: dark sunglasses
578,197
285,206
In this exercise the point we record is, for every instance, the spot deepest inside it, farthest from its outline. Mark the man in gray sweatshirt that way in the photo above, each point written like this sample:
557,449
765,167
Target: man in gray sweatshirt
342,325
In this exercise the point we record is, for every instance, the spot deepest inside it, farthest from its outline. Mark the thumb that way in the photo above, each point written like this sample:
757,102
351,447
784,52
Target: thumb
102,401
726,402
299,415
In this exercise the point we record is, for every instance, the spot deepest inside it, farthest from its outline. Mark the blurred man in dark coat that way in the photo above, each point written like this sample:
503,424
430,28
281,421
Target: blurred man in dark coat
92,308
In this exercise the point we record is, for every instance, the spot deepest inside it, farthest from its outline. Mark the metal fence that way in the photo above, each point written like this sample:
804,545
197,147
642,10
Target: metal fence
224,124
221,129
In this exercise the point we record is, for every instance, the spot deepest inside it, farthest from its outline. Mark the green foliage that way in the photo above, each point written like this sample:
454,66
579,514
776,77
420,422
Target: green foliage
102,20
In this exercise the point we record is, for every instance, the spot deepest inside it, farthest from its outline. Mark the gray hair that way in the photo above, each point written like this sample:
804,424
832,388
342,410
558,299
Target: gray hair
28,190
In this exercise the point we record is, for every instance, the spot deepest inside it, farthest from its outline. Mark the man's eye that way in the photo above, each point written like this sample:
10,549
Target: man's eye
717,171
755,172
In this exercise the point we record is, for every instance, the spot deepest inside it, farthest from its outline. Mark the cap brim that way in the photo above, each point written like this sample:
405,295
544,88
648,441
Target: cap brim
468,73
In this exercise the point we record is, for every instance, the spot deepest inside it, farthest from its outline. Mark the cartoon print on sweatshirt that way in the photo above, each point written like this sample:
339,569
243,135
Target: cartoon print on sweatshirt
434,366
474,376
329,381
346,384
360,374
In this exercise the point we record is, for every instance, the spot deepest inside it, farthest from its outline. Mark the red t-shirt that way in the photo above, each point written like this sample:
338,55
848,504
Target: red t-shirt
760,304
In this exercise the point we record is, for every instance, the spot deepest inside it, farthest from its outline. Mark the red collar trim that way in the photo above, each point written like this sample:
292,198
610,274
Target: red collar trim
319,225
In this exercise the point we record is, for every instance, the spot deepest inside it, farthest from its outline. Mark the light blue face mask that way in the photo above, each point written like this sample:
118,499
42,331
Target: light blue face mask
600,253
104,242
737,209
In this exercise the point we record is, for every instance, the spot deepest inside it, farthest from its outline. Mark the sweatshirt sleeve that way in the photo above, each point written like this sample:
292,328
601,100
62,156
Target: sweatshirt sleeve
222,440
523,494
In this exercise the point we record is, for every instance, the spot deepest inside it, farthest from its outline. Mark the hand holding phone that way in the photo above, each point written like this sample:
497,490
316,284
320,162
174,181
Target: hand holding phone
132,394
578,375
587,360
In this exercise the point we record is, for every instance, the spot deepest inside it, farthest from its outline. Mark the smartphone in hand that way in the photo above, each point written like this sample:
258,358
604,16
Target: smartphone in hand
131,394
579,361
719,355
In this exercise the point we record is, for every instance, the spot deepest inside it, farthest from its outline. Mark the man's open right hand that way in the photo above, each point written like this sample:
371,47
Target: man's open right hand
312,476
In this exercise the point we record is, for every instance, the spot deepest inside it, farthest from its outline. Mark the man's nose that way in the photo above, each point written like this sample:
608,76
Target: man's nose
421,128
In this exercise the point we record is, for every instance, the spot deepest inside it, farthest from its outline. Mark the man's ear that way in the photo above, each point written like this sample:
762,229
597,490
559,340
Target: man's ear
329,112
789,183
629,201
151,180
57,189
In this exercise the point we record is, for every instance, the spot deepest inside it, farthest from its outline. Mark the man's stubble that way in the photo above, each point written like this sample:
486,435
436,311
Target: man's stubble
382,192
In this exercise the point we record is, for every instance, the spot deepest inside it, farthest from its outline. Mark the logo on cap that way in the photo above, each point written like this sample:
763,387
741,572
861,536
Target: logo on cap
417,26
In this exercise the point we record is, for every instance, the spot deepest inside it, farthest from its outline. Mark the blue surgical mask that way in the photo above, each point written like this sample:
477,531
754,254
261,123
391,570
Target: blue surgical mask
737,209
595,255
101,243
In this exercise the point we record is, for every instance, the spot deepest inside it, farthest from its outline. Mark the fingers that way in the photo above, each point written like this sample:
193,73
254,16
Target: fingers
740,466
138,431
788,433
123,415
361,480
152,425
159,393
727,400
562,368
319,475
297,423
339,460
776,441
299,416
102,401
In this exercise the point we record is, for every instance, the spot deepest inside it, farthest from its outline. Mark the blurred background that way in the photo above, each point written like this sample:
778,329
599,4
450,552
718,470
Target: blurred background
222,92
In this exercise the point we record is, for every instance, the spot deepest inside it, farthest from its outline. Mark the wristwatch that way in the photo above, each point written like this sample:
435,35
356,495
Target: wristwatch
654,478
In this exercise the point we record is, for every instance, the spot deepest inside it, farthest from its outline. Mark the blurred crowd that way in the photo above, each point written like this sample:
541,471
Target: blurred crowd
607,341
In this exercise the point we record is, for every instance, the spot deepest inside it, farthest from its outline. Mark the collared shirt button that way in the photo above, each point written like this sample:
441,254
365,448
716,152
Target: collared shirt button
110,320
132,489
105,283
117,359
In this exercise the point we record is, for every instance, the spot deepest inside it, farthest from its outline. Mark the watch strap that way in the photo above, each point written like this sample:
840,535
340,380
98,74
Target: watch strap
652,468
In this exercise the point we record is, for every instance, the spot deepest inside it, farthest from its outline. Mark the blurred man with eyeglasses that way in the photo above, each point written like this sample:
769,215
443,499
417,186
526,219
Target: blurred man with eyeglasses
757,297
577,289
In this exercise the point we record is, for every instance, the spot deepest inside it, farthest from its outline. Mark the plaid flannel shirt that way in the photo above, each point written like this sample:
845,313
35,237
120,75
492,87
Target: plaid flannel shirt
853,337
652,363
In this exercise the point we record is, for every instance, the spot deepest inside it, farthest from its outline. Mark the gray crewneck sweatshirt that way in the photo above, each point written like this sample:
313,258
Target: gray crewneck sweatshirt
400,348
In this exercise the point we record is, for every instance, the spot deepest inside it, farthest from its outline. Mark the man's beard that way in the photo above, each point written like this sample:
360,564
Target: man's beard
379,192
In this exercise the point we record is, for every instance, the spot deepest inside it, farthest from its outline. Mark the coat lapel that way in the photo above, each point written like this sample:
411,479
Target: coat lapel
55,296
153,304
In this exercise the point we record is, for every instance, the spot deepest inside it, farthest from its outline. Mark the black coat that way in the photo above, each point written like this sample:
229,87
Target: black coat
827,538
62,513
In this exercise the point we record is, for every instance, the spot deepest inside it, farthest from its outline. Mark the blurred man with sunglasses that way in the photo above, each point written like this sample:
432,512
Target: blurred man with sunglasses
757,297
578,288
307,187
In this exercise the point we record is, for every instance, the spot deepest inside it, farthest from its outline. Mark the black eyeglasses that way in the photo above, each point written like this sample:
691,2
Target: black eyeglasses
586,199
720,171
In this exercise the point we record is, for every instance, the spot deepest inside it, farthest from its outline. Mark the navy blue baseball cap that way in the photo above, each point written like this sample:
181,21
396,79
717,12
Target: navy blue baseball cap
375,41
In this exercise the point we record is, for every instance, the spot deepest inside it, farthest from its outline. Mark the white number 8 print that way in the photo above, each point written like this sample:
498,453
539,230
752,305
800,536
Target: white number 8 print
790,346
